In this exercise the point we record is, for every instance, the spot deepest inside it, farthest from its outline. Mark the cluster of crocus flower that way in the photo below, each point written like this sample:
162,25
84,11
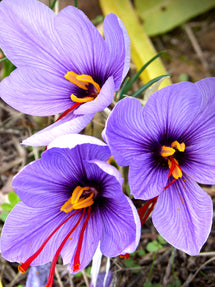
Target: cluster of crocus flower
168,146
71,201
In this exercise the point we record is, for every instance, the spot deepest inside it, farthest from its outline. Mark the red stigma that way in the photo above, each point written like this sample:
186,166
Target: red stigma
146,209
24,266
80,241
67,111
125,256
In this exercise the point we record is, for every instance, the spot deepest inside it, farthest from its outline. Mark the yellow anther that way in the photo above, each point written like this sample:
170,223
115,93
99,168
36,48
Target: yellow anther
72,77
81,100
178,146
76,201
89,80
176,172
167,151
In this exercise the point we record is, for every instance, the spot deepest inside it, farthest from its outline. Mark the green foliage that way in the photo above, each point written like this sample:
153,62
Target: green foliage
7,207
8,68
130,263
161,240
128,83
160,16
149,284
175,283
153,246
52,4
99,19
141,252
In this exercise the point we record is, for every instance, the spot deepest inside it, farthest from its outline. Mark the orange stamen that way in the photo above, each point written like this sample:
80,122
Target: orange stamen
23,266
174,167
76,201
54,261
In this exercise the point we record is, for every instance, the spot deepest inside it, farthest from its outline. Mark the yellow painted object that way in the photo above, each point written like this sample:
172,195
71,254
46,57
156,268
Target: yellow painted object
142,49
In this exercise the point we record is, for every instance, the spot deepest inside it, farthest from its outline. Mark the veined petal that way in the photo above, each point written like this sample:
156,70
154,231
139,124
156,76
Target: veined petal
170,110
201,164
146,179
67,125
27,35
125,131
206,88
118,43
104,99
33,226
36,92
83,46
121,226
91,239
183,215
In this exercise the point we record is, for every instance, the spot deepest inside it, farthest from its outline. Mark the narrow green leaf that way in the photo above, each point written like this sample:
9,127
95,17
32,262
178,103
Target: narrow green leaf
121,92
136,76
52,4
146,86
76,3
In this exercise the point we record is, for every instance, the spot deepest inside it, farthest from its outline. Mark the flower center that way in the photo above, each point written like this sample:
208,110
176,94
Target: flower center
86,83
82,197
168,153
81,201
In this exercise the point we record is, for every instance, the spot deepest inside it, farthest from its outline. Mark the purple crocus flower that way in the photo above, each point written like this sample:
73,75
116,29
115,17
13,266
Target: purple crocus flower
169,146
63,64
71,201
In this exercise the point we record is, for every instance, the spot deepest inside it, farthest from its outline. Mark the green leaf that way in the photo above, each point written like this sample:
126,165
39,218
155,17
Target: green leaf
149,284
141,252
6,206
160,16
161,240
153,246
13,198
146,86
176,283
52,4
8,68
3,216
3,59
130,263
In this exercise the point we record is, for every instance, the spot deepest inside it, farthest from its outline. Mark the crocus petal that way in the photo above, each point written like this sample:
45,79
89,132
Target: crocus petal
33,225
103,99
200,166
146,179
27,34
125,131
96,264
91,239
57,173
120,231
83,46
183,215
92,148
36,92
67,125
118,43
206,88
170,110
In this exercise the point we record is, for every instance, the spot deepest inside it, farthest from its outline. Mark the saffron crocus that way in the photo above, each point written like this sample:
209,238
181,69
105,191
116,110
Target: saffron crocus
71,201
169,146
63,64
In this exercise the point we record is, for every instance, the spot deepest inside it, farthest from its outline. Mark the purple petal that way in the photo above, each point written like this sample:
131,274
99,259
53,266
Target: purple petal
118,43
121,227
146,179
70,141
83,46
27,228
67,125
103,100
27,34
183,215
36,92
200,166
125,131
56,174
171,110
206,88
38,275
91,239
